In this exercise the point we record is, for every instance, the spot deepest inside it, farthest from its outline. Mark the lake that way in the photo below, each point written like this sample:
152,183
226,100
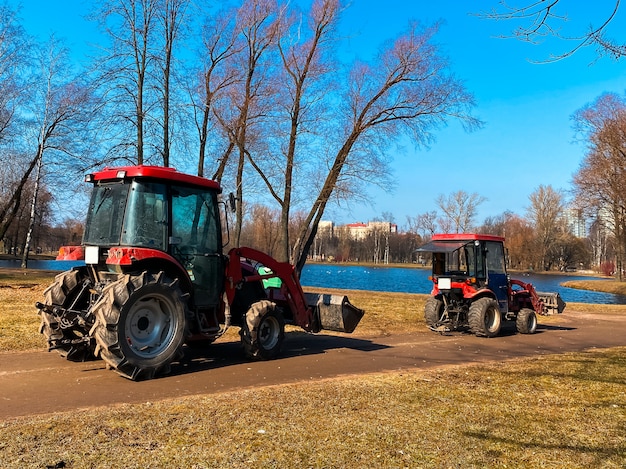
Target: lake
391,279
411,280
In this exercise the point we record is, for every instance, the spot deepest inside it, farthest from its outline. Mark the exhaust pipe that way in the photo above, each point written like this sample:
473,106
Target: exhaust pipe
334,312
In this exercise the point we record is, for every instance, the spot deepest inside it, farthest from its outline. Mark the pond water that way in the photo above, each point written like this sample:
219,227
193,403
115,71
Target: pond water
391,279
411,280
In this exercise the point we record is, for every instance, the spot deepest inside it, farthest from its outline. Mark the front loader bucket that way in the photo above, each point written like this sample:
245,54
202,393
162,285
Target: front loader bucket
552,303
335,312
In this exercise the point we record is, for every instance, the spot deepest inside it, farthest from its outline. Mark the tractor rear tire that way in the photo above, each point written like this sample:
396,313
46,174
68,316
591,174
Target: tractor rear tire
63,292
484,317
433,311
263,331
526,321
140,325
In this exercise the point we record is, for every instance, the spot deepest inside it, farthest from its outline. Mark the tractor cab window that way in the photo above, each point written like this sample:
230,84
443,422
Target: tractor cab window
462,261
146,216
194,221
495,257
106,214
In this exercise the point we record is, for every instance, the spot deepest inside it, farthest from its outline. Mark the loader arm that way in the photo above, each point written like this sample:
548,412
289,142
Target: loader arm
535,299
291,289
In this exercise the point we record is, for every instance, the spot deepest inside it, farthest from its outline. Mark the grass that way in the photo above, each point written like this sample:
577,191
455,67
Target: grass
19,322
606,286
550,411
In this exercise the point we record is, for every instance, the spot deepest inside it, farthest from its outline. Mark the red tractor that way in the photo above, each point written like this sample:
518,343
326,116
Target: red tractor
472,290
155,277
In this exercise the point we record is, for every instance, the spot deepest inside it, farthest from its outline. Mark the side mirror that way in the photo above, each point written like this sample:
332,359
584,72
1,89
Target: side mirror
232,201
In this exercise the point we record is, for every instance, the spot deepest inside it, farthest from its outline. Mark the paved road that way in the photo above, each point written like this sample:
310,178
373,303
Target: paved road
40,382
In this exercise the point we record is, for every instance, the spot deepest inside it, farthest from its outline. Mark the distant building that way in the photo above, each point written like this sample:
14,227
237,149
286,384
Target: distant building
357,230
326,228
576,222
360,230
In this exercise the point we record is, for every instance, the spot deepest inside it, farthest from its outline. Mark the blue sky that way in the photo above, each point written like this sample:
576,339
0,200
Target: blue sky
527,139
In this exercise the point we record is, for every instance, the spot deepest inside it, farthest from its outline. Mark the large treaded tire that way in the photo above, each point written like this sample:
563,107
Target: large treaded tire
63,292
140,325
262,331
484,317
526,321
433,311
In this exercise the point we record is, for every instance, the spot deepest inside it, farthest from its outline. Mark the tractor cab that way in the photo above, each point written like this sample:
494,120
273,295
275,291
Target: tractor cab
139,216
468,263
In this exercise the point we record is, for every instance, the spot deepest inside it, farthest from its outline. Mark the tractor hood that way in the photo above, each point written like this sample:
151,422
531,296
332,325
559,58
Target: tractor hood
442,246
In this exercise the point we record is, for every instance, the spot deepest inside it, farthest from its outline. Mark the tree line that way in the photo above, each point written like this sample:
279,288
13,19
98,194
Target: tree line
541,239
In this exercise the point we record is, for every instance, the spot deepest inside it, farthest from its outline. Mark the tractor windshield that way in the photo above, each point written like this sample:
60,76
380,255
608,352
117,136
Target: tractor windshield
465,260
462,261
106,213
129,214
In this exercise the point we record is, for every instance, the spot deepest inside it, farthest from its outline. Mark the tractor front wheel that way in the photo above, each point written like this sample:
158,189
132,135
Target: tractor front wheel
526,321
484,317
140,325
263,331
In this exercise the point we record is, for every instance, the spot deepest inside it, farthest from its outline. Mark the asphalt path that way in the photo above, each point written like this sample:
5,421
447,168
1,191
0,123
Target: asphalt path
41,382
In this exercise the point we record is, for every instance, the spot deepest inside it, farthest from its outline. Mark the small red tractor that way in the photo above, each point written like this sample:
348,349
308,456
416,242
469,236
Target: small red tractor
155,278
472,290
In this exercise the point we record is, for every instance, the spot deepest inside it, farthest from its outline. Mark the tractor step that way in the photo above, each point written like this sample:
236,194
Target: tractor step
335,312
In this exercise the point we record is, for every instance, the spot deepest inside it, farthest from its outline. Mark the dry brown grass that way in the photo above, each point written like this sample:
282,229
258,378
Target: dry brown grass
607,286
19,322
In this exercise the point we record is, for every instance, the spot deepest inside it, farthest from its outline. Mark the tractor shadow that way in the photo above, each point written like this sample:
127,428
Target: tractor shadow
296,344
509,329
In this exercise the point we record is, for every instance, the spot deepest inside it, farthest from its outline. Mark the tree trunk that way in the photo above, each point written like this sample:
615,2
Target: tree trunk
33,207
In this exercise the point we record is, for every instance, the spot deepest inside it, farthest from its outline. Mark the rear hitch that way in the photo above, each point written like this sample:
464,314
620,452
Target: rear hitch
68,318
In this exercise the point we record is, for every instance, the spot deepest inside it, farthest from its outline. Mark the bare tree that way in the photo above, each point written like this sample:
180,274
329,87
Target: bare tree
424,224
302,67
407,91
219,45
546,214
538,19
600,182
242,110
459,210
131,25
60,109
14,50
172,14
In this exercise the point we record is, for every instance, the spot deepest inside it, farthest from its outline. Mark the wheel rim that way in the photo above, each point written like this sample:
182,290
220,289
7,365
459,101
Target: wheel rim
149,326
269,332
491,320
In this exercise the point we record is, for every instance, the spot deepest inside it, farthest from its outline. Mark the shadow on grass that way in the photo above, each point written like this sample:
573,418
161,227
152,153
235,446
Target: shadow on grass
603,456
